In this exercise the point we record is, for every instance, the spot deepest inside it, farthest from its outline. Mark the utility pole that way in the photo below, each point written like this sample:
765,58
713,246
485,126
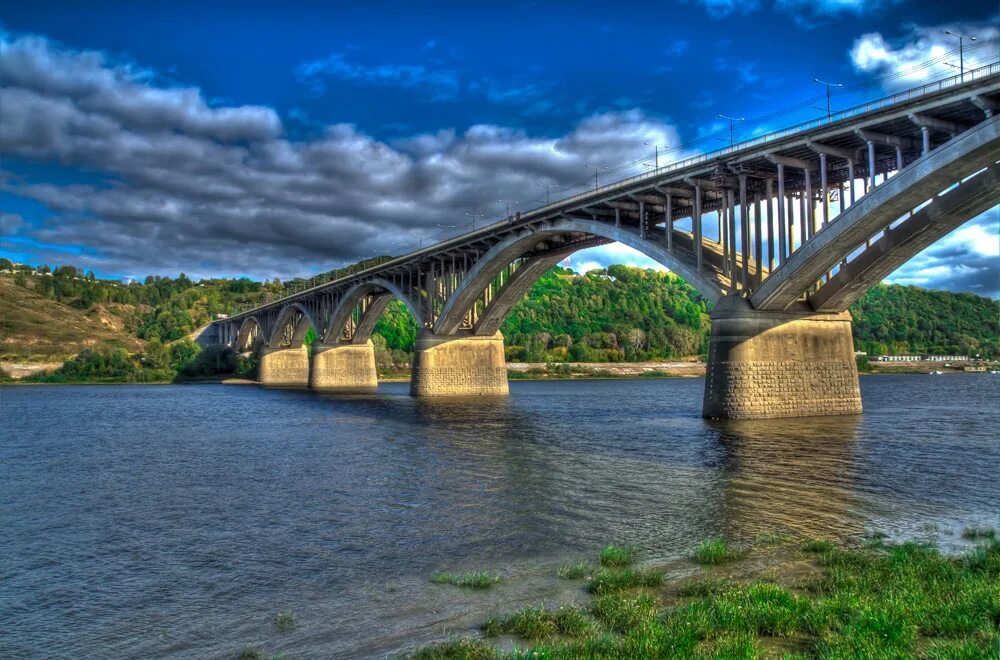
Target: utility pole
656,153
732,140
597,168
829,108
961,53
474,216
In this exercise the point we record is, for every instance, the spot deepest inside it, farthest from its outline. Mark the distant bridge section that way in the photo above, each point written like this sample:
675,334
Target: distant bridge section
781,233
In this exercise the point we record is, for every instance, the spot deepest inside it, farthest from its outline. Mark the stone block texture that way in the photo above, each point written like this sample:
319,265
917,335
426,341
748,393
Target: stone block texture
344,368
284,367
779,364
459,366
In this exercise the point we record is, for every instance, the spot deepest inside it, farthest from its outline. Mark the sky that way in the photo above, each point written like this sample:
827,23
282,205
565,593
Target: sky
280,140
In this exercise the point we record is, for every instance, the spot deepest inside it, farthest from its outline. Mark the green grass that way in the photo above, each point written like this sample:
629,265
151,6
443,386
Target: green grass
284,621
717,551
537,623
890,601
616,579
617,555
818,546
977,533
470,580
577,571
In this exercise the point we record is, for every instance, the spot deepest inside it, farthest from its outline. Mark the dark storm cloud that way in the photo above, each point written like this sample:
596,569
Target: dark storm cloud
189,186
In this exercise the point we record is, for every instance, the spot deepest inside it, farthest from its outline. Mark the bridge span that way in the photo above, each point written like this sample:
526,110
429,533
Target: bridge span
781,233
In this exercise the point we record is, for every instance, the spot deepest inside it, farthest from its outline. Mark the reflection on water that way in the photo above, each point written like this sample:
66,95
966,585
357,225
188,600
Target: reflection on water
176,521
793,477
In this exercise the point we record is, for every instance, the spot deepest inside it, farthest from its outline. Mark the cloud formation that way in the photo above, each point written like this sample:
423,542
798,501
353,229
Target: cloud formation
175,183
923,53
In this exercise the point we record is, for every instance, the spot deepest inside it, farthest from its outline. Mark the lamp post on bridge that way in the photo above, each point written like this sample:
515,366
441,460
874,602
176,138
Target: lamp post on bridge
829,108
446,228
732,120
656,153
474,216
961,53
597,169
548,189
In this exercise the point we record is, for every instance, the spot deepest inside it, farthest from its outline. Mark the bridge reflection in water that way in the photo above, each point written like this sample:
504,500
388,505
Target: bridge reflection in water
794,478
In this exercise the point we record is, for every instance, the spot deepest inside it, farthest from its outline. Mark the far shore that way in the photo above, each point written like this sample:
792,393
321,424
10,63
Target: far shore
690,368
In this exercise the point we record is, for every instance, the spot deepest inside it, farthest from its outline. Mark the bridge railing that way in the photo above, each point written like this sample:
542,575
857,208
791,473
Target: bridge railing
906,95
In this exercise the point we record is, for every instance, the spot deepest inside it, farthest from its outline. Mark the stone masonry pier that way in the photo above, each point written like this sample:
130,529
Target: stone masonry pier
344,368
284,367
779,364
463,366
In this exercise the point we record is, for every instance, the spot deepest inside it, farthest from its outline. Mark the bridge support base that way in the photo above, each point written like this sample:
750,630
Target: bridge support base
284,367
458,366
779,364
344,368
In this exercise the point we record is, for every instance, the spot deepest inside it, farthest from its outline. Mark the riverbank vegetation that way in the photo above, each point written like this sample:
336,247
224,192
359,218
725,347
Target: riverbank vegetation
469,580
788,599
617,314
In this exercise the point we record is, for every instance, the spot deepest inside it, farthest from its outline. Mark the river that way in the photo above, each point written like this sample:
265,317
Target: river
176,521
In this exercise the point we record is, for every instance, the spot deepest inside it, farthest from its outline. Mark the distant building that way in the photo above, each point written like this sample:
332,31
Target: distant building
921,358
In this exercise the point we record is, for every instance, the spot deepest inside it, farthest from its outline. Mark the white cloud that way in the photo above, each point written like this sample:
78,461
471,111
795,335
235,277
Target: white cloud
923,53
185,185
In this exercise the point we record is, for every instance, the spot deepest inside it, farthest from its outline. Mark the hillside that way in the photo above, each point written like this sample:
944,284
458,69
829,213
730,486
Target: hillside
38,329
619,314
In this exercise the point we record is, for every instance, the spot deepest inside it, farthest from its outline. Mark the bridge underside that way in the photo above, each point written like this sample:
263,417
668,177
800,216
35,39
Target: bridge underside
780,234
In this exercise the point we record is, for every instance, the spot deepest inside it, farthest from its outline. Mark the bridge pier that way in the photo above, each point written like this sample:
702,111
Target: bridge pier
343,367
284,367
764,364
458,366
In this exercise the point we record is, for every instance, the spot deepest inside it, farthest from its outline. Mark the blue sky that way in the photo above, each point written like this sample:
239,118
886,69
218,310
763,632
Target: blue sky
269,140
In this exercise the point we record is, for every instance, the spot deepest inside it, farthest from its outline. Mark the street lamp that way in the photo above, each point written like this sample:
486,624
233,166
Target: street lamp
597,169
961,54
507,202
829,111
548,194
474,216
656,153
446,228
732,140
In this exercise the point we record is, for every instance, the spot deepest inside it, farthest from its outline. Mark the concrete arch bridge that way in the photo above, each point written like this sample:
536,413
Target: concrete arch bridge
781,233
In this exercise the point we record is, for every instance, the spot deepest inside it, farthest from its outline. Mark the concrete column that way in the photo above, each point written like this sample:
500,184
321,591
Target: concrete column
779,364
769,196
758,245
284,367
696,228
344,368
850,175
668,221
618,217
458,366
744,234
925,136
731,234
871,165
823,189
783,248
899,160
642,220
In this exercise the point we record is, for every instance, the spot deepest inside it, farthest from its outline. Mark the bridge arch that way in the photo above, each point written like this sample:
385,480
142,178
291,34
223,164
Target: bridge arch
249,334
383,291
300,326
501,255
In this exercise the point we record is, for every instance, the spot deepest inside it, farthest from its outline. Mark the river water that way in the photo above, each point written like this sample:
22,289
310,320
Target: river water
176,521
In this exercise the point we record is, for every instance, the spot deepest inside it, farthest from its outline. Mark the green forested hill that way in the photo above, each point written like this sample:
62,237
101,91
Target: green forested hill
894,319
617,314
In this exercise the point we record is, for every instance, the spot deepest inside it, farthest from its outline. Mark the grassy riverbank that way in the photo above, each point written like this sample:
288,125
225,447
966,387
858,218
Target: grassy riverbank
775,598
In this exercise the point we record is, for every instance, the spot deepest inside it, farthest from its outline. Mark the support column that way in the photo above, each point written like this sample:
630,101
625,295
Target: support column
284,367
784,248
344,368
458,366
779,364
925,139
